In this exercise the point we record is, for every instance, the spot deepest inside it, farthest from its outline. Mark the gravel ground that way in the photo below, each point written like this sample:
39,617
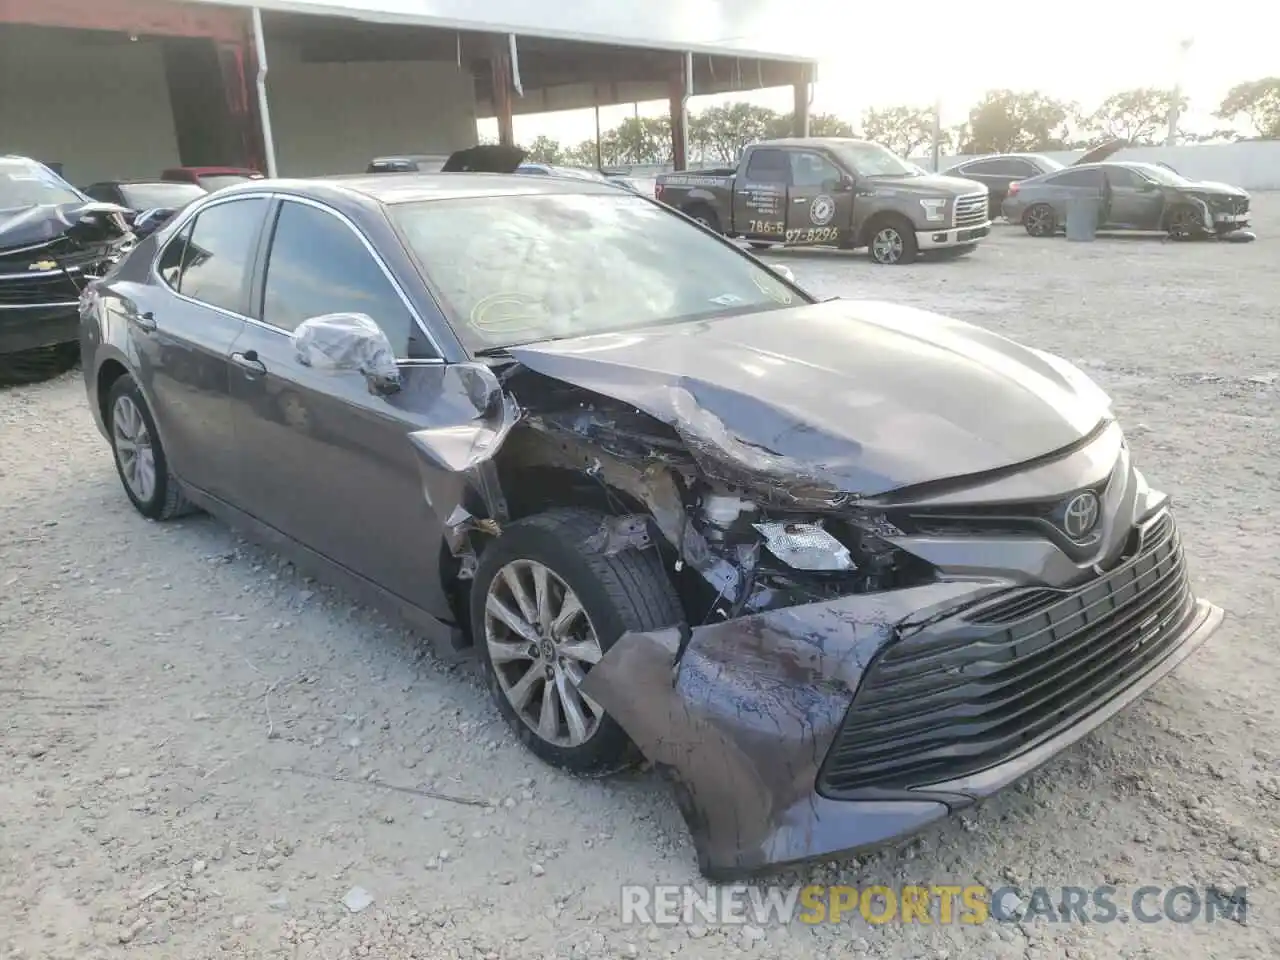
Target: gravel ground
195,735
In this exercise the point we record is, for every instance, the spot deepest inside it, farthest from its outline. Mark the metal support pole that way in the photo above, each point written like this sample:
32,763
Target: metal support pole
268,141
937,133
1171,140
599,153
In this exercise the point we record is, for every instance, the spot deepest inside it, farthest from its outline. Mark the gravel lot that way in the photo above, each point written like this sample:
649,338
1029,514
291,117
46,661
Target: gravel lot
195,734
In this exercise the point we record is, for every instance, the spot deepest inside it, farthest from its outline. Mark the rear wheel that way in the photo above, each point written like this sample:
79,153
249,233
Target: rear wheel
891,242
704,215
544,611
760,244
1040,220
140,459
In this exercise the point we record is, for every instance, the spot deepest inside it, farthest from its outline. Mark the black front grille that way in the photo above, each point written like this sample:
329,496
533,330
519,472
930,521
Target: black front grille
964,695
59,283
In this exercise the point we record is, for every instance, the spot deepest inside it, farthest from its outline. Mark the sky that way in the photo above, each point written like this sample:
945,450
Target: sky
941,51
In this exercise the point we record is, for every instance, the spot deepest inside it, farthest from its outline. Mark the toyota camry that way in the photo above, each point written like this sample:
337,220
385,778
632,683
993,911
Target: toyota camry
841,568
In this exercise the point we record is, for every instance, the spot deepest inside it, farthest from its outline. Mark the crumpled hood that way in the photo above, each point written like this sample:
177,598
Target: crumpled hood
28,226
860,396
1213,186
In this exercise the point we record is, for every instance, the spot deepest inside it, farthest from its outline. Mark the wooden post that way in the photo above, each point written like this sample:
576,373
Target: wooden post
500,63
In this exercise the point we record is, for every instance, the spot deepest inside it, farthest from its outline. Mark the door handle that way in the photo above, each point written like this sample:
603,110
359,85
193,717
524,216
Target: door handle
249,362
800,200
147,321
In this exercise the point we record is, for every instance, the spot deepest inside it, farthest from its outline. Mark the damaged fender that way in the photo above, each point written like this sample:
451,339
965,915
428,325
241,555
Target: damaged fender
744,718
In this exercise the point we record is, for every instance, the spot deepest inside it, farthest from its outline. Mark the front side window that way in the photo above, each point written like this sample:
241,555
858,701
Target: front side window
318,265
220,251
517,269
812,170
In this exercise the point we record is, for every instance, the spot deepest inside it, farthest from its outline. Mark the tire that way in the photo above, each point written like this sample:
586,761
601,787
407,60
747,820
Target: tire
619,593
760,244
1040,220
884,249
704,215
1184,223
162,499
38,365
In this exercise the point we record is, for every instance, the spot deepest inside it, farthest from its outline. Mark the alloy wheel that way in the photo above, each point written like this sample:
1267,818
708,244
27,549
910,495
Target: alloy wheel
132,442
887,246
1040,221
540,643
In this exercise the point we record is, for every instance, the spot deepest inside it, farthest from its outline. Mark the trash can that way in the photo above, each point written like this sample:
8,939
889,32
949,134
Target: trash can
1082,218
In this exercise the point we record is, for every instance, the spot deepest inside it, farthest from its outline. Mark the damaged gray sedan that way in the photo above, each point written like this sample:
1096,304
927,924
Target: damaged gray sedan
841,568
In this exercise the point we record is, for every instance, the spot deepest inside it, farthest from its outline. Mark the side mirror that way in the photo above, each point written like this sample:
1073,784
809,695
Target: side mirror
783,269
349,343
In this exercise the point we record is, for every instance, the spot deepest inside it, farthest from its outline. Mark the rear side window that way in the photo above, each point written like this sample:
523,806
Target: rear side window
319,265
1077,178
219,251
768,166
170,263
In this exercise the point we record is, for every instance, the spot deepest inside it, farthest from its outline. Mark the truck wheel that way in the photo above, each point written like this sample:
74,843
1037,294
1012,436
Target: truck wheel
892,241
543,610
1040,220
760,244
704,215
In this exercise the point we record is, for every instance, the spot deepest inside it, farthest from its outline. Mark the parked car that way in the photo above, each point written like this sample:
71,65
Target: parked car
830,191
843,567
210,178
580,173
998,171
53,239
141,196
409,163
1131,196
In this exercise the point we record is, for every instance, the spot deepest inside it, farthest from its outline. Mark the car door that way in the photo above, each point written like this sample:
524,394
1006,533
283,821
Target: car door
760,194
1135,202
325,461
1077,183
819,204
182,328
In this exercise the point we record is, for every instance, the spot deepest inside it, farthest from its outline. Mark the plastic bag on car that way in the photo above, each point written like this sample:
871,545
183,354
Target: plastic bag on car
345,341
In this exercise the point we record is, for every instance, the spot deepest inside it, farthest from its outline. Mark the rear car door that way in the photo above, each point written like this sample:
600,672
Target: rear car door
1135,201
760,194
819,206
325,461
1080,183
182,331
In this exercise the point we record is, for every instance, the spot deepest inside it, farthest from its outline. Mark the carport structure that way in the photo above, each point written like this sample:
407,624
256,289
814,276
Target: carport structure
310,87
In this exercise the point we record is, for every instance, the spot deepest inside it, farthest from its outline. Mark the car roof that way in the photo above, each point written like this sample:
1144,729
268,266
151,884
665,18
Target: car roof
396,188
816,142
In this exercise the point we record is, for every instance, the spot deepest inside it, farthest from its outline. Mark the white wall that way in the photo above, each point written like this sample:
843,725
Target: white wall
102,110
335,117
1253,165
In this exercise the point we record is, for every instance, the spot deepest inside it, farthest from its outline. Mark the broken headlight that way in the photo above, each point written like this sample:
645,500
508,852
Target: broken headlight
806,546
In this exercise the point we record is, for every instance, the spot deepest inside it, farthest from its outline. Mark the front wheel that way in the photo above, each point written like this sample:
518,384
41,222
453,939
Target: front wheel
140,459
760,244
1185,223
892,243
544,610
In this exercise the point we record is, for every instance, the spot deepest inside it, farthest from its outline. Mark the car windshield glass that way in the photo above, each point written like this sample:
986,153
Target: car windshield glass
150,196
219,180
1159,174
517,269
27,184
873,160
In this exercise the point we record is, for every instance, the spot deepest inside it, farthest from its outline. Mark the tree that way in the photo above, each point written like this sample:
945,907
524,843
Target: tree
904,130
1259,101
637,140
723,131
581,155
1139,116
1007,121
545,150
820,125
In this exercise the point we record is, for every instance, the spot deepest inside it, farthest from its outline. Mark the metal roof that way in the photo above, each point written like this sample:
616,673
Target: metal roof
758,29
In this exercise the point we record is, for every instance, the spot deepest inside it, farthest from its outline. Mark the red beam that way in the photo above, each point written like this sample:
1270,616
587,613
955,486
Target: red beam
155,17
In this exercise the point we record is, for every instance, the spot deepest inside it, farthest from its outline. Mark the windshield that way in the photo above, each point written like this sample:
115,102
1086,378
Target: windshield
1160,174
151,196
517,269
27,184
873,160
219,180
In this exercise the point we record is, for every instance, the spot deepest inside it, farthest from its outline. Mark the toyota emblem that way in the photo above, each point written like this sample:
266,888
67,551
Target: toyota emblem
1081,515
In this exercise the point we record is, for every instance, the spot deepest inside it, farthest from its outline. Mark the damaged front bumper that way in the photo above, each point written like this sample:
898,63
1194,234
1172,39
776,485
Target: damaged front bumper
810,732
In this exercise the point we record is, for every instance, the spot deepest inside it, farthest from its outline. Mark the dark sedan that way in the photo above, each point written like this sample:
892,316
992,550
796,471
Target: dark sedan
1130,196
997,172
842,567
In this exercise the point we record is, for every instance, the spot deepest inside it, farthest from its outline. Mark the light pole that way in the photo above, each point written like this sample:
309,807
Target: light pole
1171,140
937,133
